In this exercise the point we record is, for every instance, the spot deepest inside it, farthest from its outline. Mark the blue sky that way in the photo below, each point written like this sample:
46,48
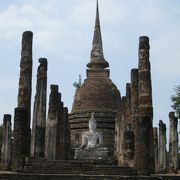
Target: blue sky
63,32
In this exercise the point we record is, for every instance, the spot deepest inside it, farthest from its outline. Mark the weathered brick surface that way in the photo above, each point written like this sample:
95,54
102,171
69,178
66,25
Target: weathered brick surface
144,151
97,93
142,158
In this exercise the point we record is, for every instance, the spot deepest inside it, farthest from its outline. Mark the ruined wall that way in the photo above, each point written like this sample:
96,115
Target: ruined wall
121,127
128,107
57,136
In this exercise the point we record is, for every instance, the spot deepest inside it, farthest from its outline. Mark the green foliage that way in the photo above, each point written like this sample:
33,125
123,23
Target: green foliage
176,101
77,85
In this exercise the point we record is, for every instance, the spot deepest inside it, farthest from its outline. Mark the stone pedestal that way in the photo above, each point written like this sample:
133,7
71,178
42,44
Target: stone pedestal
95,153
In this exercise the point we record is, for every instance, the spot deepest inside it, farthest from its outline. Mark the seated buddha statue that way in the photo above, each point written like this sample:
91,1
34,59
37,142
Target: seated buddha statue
92,143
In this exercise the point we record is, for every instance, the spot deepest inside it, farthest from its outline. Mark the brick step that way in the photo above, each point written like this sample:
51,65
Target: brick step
84,173
71,162
77,168
90,167
51,165
80,170
88,172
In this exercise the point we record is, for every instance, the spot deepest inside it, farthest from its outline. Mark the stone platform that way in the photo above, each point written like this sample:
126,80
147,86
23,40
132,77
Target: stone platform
78,170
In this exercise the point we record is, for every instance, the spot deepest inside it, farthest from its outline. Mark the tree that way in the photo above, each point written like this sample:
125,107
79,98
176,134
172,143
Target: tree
176,101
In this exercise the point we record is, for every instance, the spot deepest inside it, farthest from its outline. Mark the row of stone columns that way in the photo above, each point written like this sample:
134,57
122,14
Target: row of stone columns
57,129
22,114
167,162
136,114
48,140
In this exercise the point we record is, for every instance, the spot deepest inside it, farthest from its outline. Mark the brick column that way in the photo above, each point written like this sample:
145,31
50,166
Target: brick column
162,147
6,150
173,143
39,112
25,80
51,126
20,147
155,138
144,152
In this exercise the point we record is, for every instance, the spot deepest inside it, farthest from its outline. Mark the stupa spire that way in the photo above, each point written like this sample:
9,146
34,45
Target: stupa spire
97,56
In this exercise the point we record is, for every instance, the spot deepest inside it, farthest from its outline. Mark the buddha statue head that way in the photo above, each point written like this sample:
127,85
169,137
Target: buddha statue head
92,123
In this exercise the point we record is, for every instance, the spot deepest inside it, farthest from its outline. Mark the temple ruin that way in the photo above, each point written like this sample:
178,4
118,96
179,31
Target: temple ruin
104,136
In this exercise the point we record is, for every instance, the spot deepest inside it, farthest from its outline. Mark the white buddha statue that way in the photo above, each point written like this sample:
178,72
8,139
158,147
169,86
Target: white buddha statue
92,143
92,138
